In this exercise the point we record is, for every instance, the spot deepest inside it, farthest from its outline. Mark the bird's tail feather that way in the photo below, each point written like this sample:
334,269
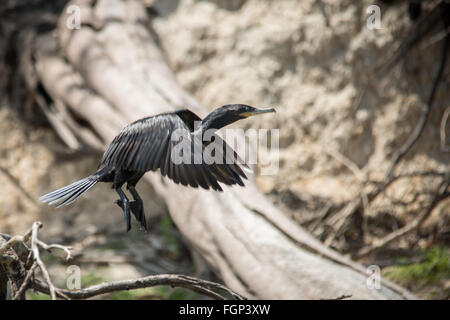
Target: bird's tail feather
70,193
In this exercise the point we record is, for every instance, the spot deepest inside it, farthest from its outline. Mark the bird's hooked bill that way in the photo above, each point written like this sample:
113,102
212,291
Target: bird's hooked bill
257,111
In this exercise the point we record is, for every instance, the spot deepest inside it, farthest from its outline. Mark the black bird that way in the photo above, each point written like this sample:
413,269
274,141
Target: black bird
147,144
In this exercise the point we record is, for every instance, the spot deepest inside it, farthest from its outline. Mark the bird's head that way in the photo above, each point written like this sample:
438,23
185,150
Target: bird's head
230,113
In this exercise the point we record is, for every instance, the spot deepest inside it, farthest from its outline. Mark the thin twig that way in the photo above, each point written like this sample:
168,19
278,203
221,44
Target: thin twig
359,175
441,194
425,115
443,134
26,281
341,297
49,247
17,184
37,258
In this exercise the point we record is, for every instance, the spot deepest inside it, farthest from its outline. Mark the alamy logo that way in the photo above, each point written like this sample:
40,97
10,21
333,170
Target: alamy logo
374,279
248,147
374,19
73,281
74,18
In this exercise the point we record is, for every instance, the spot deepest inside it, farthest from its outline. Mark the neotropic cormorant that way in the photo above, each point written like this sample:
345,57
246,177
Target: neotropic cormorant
147,144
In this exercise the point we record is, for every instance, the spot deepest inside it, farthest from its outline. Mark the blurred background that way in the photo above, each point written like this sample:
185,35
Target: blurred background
348,98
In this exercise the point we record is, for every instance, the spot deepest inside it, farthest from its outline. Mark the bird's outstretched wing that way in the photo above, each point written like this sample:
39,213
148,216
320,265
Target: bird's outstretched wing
148,144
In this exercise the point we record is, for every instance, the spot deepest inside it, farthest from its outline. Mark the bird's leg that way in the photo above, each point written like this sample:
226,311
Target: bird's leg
124,203
137,207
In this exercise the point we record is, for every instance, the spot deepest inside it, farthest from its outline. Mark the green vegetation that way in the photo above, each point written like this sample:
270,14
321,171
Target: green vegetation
125,295
159,292
51,258
434,268
91,279
432,271
167,227
37,296
175,293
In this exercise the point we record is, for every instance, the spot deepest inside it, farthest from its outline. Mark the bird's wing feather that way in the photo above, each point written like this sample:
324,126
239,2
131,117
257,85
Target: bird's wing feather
147,144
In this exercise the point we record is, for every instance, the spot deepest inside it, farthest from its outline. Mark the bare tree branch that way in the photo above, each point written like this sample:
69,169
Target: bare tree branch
174,280
26,282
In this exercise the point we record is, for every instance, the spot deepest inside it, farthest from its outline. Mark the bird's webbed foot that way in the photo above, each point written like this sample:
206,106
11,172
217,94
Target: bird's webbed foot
126,212
119,203
137,209
124,203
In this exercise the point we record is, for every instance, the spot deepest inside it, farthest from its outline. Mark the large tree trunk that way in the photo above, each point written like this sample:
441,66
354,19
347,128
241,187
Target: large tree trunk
112,71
